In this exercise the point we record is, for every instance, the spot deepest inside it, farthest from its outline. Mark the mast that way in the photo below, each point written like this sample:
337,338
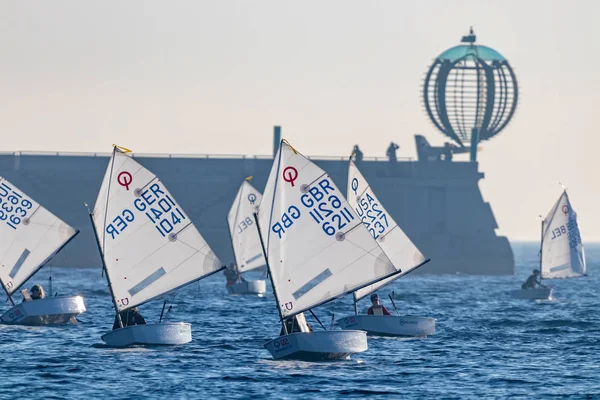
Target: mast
112,295
101,249
541,251
262,245
232,246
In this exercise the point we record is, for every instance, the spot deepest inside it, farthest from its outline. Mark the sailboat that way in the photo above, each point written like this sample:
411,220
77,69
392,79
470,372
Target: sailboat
30,236
317,250
399,249
245,241
148,246
561,253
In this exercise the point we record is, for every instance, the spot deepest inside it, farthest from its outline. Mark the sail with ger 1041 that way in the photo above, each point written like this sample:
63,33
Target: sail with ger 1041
149,245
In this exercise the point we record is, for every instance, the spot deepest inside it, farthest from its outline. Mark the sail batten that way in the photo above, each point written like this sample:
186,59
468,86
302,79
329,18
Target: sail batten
316,249
30,236
149,245
562,254
242,232
401,251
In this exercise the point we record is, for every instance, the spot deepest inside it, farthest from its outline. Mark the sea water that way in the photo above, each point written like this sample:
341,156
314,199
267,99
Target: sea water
486,344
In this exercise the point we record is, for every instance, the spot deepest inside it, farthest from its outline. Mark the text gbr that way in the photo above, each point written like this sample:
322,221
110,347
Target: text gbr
323,205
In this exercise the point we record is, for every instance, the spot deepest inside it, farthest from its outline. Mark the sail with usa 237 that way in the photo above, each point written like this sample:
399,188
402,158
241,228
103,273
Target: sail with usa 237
316,247
30,236
383,228
149,245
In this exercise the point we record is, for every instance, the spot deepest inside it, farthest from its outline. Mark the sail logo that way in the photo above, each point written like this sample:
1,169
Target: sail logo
290,174
252,198
124,179
354,185
289,306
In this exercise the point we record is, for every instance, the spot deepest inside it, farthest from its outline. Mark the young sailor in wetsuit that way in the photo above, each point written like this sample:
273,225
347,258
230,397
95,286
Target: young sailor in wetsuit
129,317
297,323
533,281
37,293
232,275
377,308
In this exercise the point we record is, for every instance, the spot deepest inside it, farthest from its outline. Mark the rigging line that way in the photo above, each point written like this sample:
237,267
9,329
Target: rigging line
318,320
238,199
112,165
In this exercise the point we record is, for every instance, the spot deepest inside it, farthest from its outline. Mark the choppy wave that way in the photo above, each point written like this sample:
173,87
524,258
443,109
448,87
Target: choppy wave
486,345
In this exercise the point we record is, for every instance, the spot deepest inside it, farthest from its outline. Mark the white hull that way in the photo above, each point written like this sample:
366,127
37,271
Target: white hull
318,346
389,325
166,333
48,311
532,294
258,287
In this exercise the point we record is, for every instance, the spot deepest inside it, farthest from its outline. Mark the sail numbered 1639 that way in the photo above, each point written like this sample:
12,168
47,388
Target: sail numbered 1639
244,236
562,250
383,228
30,236
317,248
149,244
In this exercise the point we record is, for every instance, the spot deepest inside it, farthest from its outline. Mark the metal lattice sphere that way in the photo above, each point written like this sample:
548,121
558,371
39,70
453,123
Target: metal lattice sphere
470,90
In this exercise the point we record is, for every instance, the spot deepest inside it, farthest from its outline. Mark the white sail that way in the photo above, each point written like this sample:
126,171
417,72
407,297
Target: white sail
403,254
29,236
149,244
244,236
317,248
562,250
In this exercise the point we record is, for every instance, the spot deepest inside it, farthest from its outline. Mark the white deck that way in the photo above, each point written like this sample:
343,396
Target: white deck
390,325
257,287
532,294
318,346
48,311
165,333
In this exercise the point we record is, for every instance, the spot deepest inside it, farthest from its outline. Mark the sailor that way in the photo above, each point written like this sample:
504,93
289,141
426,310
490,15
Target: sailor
297,323
533,281
129,317
37,293
232,275
377,308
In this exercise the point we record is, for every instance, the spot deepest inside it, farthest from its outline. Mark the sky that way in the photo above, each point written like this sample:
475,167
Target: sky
216,76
